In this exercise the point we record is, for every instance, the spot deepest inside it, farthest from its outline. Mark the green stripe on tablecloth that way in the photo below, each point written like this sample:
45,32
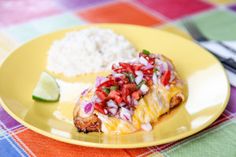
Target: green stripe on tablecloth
218,142
217,24
26,31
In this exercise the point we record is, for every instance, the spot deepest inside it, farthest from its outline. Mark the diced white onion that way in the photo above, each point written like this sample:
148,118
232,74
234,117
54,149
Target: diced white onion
100,80
165,66
116,65
167,87
153,55
170,66
111,103
113,111
144,88
87,107
143,61
135,102
85,91
112,107
96,99
105,111
117,75
154,78
157,73
125,114
162,66
122,104
149,66
146,127
139,77
128,99
156,61
172,76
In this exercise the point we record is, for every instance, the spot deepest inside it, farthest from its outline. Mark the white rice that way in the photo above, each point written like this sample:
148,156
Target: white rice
88,50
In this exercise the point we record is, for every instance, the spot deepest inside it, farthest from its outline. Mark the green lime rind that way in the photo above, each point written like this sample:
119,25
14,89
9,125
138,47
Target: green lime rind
44,100
47,89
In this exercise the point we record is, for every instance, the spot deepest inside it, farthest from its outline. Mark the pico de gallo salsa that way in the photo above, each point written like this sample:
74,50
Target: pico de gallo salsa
118,93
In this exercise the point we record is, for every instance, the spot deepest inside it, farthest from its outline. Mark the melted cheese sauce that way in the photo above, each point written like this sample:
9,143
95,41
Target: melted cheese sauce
149,109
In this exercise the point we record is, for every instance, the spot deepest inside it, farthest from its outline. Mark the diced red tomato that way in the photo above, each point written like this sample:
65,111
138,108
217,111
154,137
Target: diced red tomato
107,84
130,86
151,61
116,95
148,58
126,66
121,83
137,67
124,80
142,55
114,66
101,95
149,82
137,94
147,78
110,77
118,99
165,78
119,70
113,93
148,72
125,92
126,88
99,108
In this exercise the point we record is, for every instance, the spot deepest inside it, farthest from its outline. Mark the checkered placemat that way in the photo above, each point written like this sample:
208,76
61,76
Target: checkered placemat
22,20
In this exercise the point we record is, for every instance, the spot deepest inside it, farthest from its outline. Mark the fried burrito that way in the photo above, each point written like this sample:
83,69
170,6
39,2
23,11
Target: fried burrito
131,98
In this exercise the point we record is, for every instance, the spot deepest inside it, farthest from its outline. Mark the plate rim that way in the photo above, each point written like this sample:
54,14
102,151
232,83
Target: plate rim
108,145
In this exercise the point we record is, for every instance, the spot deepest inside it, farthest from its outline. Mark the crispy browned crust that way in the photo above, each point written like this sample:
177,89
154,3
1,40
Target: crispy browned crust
93,123
88,124
176,100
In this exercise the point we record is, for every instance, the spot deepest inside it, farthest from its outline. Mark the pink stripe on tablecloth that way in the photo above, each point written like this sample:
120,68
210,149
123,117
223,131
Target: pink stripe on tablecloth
12,11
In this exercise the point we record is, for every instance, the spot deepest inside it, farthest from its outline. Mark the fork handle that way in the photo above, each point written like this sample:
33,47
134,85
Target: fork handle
228,63
223,54
227,47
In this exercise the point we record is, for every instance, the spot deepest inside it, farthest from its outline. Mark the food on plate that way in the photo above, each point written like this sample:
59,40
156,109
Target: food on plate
131,98
46,89
89,50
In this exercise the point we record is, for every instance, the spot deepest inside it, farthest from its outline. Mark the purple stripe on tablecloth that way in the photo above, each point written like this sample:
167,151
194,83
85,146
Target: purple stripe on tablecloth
72,4
7,120
233,7
232,102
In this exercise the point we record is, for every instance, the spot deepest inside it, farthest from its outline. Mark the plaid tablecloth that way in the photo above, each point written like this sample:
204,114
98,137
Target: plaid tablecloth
21,20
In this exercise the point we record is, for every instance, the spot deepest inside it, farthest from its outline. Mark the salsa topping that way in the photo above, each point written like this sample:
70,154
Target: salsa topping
119,93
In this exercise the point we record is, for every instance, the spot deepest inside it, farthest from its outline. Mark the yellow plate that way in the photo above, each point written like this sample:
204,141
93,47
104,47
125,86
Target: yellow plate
207,85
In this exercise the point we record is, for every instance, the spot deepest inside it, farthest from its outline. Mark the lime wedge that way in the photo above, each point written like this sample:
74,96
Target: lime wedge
46,89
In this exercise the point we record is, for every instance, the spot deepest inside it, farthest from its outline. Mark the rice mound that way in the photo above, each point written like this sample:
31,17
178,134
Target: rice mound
88,50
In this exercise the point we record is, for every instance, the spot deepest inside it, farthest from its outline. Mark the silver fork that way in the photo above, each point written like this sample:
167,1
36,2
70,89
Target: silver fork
197,35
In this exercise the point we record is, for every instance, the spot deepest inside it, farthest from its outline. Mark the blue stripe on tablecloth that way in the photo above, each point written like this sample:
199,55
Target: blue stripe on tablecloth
11,148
